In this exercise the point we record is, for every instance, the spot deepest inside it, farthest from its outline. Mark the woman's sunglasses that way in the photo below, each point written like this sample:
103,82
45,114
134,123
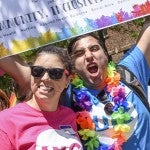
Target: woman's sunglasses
54,73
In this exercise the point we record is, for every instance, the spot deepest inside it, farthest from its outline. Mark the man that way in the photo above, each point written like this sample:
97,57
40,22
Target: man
90,62
125,127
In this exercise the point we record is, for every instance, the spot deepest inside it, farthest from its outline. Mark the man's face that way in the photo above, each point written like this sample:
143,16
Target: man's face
90,62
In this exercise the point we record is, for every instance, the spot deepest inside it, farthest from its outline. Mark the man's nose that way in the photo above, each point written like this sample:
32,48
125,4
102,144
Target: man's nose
88,54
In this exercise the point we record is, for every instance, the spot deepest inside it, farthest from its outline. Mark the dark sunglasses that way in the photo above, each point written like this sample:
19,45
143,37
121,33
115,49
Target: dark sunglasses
54,73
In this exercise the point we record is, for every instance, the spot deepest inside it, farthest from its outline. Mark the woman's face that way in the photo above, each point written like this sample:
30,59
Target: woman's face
44,87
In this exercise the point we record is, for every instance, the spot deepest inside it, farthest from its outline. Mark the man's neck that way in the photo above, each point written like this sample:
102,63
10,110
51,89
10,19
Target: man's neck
99,87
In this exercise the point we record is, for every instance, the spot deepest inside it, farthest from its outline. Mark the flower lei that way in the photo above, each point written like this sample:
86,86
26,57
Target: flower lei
85,100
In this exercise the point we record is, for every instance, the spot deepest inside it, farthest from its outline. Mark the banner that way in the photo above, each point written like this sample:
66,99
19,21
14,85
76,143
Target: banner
28,24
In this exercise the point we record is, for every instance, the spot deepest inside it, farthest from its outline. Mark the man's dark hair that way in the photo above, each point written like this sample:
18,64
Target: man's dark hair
100,40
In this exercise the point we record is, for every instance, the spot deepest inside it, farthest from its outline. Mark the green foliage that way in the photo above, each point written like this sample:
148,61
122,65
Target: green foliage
6,84
117,28
139,22
62,43
28,56
134,34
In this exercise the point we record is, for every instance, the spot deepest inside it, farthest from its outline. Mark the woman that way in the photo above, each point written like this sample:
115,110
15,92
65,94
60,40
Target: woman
40,122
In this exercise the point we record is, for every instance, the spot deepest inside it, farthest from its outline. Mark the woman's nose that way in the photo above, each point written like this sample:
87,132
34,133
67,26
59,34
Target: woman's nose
45,76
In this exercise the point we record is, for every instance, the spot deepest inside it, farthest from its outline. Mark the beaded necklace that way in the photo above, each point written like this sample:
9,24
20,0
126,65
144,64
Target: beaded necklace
117,108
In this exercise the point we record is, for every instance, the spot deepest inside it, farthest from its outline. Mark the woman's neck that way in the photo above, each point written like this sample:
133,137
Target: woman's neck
43,105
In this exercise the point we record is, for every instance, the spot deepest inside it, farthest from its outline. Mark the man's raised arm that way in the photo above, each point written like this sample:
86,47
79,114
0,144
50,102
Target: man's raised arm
143,41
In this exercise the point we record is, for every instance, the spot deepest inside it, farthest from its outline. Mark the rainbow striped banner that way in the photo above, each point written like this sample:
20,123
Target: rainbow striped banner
29,24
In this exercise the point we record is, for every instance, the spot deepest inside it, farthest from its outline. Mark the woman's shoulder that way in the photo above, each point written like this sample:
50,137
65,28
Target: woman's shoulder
8,112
